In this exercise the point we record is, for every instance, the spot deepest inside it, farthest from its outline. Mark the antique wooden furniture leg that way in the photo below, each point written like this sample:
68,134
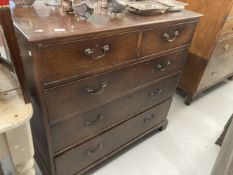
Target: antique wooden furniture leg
21,149
188,100
15,131
164,126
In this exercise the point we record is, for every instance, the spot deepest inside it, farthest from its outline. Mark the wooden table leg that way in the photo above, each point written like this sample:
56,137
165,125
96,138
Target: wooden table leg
21,149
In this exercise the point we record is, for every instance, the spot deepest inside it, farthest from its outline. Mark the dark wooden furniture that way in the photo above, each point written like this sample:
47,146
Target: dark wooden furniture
210,59
91,82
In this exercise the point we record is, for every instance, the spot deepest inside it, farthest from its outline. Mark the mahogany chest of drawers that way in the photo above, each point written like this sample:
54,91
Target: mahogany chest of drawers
93,81
210,59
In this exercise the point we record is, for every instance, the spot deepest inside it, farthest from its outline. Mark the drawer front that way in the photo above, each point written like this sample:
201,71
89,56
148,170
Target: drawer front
93,122
67,60
90,152
223,47
216,71
92,92
165,38
227,28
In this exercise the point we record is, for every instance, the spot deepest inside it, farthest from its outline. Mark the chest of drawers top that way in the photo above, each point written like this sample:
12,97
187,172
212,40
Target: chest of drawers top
43,23
70,48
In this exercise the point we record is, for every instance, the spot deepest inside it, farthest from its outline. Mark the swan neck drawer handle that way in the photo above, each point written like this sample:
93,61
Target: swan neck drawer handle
97,91
156,93
163,67
94,122
148,120
91,52
171,36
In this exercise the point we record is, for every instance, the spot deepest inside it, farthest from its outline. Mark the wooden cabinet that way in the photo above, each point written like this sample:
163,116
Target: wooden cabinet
211,48
93,81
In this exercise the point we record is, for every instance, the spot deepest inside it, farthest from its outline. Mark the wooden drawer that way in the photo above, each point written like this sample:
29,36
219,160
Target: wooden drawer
216,71
165,38
92,151
227,28
63,61
107,87
93,122
223,47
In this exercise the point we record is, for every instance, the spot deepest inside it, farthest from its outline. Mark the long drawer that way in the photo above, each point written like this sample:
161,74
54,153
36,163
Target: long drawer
161,39
92,151
216,71
63,61
223,46
89,93
82,127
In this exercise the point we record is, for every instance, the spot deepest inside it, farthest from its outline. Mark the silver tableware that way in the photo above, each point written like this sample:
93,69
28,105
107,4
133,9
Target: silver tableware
147,8
117,6
84,9
173,5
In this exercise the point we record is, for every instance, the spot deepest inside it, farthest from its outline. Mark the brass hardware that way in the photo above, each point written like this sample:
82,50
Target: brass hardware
162,67
156,93
97,91
92,123
171,36
91,152
226,47
147,120
91,53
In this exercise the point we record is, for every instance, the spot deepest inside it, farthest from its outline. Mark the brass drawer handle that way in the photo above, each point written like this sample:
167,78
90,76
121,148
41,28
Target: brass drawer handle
156,92
97,91
91,53
163,67
92,152
171,36
92,123
148,120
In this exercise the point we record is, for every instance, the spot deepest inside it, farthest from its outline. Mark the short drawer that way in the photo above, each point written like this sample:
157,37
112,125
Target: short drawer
93,151
165,38
89,93
227,28
93,122
223,47
216,71
63,61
